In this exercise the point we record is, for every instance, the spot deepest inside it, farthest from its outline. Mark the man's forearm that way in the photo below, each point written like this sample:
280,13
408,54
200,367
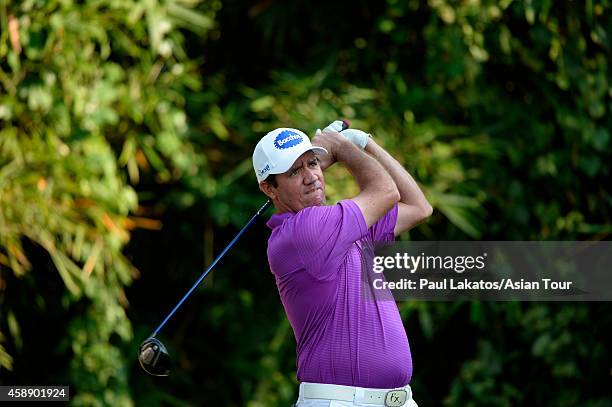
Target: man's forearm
366,170
409,190
377,190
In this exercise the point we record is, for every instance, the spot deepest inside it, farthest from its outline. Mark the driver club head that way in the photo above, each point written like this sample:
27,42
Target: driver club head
153,357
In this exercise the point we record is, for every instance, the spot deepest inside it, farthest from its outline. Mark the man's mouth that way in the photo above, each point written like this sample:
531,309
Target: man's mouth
317,188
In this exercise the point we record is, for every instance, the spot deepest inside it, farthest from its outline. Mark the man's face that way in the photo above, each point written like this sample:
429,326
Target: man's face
303,185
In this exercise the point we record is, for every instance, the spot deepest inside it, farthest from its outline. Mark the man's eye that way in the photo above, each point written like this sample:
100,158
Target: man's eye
314,163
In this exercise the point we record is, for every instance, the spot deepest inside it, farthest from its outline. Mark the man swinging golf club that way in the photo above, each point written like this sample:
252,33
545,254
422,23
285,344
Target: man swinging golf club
350,351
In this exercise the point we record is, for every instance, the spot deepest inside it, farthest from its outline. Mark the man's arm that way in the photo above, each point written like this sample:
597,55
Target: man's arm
413,207
378,192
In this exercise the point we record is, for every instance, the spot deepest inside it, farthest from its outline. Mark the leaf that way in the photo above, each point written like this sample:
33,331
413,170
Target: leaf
263,103
461,219
14,329
191,19
63,267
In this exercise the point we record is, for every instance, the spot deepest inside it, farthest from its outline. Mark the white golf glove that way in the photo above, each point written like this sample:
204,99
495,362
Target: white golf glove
358,137
336,126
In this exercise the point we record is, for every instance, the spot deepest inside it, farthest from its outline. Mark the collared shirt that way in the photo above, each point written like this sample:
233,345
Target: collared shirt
342,337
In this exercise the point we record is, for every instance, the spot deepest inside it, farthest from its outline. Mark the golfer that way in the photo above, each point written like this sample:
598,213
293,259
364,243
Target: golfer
350,351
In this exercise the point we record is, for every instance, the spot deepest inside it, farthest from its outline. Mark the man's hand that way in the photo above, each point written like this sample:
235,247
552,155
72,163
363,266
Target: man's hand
355,136
336,125
332,141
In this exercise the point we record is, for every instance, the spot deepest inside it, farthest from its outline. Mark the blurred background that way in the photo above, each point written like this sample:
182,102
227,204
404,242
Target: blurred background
126,132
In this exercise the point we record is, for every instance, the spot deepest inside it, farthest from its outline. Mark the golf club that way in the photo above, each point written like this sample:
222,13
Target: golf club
152,354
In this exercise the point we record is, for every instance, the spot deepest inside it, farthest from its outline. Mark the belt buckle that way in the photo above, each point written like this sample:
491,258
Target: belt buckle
395,398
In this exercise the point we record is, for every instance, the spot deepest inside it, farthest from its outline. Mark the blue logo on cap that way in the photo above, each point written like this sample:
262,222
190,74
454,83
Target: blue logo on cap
287,139
264,170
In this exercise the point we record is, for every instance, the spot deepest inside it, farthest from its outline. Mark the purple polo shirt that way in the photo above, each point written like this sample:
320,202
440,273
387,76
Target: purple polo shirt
342,337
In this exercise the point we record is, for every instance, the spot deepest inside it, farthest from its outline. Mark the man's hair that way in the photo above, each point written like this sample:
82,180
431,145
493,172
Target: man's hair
271,179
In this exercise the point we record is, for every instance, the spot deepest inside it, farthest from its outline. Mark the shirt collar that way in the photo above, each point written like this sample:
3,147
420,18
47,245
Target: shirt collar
278,218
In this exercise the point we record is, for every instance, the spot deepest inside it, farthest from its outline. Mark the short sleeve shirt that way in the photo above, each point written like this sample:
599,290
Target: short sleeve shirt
342,337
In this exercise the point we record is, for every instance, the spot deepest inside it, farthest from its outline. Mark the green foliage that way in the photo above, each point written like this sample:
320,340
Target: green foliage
91,94
116,114
508,370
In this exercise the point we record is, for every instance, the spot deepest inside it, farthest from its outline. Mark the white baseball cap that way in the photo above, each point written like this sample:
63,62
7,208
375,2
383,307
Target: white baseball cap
277,151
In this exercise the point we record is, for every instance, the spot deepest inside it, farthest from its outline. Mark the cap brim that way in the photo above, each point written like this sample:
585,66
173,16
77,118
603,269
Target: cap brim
314,149
318,150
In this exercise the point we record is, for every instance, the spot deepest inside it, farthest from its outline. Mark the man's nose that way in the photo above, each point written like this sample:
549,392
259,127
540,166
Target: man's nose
310,176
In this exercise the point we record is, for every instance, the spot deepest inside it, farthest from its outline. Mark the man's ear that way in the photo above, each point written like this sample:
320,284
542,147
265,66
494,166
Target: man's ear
268,189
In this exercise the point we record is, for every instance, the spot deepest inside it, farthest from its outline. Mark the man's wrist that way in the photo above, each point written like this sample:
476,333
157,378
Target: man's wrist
346,150
358,137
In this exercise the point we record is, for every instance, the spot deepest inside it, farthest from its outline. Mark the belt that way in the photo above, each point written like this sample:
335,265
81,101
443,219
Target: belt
381,397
